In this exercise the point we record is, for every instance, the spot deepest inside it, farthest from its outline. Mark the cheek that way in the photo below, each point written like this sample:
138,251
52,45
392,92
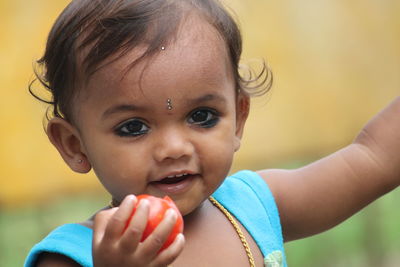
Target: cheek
118,166
220,148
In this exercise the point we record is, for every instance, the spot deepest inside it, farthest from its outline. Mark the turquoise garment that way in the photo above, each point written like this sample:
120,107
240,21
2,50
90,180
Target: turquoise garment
244,194
71,240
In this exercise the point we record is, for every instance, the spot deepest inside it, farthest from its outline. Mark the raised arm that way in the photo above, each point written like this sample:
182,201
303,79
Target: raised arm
318,196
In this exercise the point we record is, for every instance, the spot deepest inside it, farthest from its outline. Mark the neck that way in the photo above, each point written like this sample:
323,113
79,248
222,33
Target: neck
196,216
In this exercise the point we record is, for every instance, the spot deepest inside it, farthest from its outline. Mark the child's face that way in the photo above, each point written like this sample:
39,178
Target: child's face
134,139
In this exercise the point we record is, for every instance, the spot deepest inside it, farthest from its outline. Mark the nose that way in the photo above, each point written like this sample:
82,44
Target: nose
172,144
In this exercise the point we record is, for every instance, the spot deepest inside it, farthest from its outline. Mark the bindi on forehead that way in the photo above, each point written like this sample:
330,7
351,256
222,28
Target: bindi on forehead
197,53
200,39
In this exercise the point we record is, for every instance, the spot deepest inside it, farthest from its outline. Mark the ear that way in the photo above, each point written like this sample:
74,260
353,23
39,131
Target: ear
65,137
242,112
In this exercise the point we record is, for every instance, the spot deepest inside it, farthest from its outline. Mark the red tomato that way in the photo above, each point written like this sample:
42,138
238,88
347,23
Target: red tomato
158,207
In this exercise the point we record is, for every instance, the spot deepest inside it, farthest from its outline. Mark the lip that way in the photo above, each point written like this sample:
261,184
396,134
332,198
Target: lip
174,188
173,173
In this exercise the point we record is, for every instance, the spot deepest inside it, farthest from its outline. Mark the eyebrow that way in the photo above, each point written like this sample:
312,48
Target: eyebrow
131,107
206,98
120,108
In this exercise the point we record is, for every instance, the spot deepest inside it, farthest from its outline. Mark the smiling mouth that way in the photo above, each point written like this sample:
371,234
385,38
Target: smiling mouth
174,179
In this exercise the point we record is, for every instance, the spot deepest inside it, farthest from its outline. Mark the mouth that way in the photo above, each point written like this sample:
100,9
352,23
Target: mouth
173,179
174,183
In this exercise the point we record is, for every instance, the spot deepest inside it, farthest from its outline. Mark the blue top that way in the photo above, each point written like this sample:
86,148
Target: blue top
244,194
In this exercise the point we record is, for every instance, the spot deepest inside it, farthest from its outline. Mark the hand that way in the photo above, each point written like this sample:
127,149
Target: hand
116,244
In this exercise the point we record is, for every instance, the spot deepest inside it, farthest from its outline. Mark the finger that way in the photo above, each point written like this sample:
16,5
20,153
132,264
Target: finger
100,223
169,255
117,223
157,238
134,231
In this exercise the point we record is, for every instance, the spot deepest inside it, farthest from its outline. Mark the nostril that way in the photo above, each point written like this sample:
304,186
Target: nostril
173,148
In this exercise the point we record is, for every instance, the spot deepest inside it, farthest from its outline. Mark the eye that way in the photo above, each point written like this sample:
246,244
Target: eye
205,118
132,128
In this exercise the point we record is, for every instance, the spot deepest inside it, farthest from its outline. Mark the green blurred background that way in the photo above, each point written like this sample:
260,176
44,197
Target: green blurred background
336,63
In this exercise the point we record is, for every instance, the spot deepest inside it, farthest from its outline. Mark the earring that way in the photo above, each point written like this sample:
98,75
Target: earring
80,161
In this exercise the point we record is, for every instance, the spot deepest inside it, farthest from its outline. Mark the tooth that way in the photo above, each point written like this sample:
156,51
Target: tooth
179,175
171,176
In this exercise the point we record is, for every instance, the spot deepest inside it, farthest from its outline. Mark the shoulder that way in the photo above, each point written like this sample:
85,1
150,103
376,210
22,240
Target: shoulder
54,259
261,184
247,196
246,189
244,186
71,242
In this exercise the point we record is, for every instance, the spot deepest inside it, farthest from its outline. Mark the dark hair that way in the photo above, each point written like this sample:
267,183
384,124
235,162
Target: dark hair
89,32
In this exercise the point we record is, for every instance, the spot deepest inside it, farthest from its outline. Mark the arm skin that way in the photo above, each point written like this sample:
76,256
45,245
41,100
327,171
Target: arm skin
52,259
316,197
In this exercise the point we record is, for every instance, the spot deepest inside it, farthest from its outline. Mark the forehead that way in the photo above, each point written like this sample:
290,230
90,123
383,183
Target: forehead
197,54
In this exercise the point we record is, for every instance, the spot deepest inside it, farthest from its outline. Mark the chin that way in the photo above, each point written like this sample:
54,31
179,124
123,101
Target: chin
187,208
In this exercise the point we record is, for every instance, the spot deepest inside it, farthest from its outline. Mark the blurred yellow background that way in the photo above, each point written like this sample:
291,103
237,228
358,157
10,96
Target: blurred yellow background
335,64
